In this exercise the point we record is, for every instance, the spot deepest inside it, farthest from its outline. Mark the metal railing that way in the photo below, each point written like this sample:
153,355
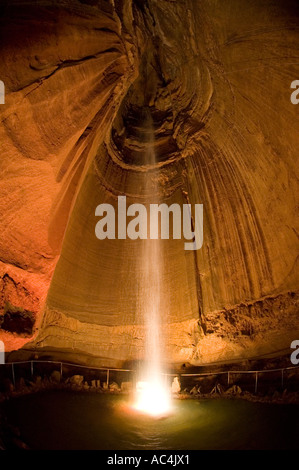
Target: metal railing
61,364
229,373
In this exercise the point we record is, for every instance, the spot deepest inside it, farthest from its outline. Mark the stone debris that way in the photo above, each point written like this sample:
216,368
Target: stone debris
234,390
55,376
96,383
126,386
217,390
114,387
77,380
176,385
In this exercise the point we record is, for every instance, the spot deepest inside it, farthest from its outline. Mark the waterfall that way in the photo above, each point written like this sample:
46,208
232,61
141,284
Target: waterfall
152,395
152,264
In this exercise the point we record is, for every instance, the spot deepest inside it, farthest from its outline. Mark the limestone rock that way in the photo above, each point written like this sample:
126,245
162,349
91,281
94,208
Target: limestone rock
76,380
234,390
21,385
96,383
38,381
113,387
176,386
85,385
126,386
55,376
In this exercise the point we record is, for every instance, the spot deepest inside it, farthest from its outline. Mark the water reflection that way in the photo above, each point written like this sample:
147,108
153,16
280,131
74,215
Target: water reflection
69,420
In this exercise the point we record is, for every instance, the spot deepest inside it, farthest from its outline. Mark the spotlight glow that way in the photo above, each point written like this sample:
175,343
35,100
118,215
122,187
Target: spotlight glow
152,398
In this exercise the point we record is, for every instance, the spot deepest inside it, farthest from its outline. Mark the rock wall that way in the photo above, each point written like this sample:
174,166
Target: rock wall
216,80
65,69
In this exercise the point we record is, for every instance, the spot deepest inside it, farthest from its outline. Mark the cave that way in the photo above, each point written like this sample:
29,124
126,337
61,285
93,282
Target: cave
118,106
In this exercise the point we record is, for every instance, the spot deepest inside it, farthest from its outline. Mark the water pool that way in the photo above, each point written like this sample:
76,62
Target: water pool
75,420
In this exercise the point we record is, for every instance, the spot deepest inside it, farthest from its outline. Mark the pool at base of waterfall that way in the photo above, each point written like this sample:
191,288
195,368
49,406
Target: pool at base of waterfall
64,420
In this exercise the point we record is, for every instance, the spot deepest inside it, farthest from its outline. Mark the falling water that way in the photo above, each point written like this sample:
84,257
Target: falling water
152,395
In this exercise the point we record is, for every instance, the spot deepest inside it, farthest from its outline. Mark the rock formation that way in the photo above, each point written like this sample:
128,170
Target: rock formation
215,78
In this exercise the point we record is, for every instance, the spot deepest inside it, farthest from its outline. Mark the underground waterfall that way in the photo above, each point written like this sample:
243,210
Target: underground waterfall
122,122
152,395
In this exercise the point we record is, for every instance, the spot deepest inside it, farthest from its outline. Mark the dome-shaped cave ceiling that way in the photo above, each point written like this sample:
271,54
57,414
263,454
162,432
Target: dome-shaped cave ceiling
92,89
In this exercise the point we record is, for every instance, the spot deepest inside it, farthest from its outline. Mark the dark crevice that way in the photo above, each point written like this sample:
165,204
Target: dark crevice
17,320
64,64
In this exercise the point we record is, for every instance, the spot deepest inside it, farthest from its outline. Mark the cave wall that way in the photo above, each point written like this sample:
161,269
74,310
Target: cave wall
65,68
217,82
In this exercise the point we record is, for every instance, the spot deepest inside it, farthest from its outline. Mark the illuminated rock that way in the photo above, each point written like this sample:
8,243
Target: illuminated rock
175,386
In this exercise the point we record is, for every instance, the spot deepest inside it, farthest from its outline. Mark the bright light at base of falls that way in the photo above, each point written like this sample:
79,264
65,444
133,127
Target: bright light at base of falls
152,398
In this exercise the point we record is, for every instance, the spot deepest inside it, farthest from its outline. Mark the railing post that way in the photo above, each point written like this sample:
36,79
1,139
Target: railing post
13,374
256,378
107,378
228,378
61,369
282,370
